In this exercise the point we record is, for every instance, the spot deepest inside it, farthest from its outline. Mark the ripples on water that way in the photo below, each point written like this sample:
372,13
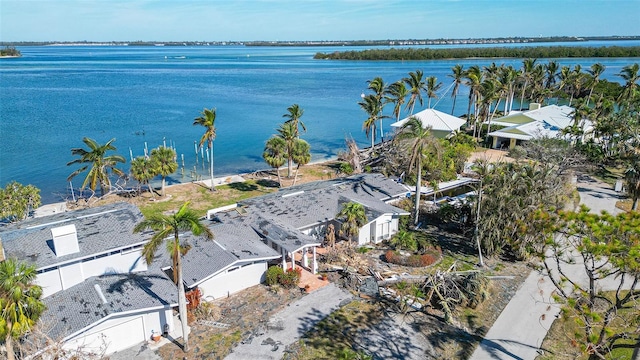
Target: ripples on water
53,96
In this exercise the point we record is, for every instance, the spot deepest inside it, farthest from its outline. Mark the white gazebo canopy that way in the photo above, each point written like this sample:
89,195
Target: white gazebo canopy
437,120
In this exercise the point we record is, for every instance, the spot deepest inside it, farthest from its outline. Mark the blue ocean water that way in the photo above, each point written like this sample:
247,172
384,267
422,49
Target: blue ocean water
53,96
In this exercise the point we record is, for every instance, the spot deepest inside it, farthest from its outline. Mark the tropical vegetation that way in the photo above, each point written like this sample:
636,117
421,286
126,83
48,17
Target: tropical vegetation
20,302
207,119
352,217
17,201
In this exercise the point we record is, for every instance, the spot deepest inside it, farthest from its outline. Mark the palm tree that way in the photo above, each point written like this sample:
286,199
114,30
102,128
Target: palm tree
404,239
275,154
416,86
301,155
432,88
371,106
142,171
208,120
419,139
397,94
473,77
527,69
163,160
353,217
293,115
164,226
101,164
20,305
551,71
631,75
287,132
379,88
458,75
596,70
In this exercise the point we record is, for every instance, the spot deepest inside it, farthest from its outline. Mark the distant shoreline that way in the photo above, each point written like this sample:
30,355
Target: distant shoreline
388,42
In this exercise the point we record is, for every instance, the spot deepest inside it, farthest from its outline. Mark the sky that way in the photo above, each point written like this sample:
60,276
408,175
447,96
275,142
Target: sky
299,20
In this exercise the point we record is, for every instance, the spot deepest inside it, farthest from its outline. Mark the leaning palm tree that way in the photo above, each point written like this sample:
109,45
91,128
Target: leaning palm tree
301,155
101,164
416,86
207,119
293,115
20,304
167,229
596,71
142,170
353,217
458,75
397,94
163,160
419,139
630,74
275,154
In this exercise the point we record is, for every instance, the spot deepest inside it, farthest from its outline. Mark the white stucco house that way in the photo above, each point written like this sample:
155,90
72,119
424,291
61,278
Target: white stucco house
537,122
441,124
98,290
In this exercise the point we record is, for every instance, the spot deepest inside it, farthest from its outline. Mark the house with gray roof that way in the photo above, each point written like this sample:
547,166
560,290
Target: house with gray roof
295,219
99,290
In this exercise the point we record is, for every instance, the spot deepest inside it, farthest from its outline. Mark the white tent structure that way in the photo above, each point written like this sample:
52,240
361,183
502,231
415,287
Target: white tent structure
441,124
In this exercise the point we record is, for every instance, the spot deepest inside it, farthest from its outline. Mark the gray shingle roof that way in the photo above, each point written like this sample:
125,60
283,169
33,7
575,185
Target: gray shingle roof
308,204
80,306
99,229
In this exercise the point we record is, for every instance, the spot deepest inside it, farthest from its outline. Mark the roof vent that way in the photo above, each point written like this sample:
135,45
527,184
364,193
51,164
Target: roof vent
534,106
65,240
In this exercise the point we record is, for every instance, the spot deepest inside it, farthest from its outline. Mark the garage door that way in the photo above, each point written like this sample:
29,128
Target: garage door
116,337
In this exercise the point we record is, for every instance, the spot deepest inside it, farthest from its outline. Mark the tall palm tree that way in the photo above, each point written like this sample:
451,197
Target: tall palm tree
419,139
353,217
527,69
632,178
416,86
20,305
458,76
371,106
287,132
293,115
379,88
101,164
275,154
432,87
596,71
397,94
167,229
473,80
163,160
142,170
207,119
301,155
631,75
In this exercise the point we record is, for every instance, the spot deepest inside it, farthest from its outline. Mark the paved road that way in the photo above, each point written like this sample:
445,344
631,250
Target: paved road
291,323
523,324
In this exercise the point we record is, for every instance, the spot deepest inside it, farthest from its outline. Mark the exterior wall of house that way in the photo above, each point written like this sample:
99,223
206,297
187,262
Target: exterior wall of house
63,277
233,280
121,332
378,230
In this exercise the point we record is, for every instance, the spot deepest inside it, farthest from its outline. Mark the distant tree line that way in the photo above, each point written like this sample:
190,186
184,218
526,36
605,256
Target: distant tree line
494,52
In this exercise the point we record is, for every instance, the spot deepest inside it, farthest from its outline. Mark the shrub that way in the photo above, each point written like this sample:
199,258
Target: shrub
412,260
290,278
346,168
274,273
